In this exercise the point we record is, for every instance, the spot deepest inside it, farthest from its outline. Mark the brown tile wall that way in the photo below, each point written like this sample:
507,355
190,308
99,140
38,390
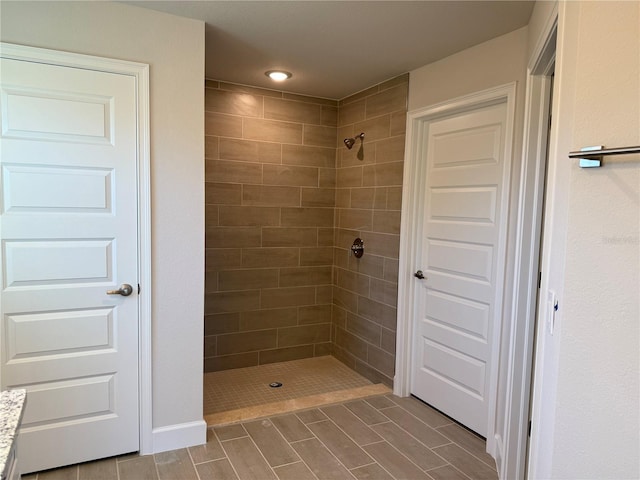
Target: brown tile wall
368,204
270,208
285,200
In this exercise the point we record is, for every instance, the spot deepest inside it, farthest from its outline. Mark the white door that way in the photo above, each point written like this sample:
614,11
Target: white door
69,234
461,254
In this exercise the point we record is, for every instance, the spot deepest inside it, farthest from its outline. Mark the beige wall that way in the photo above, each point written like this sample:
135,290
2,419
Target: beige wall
589,369
270,195
174,49
487,65
368,203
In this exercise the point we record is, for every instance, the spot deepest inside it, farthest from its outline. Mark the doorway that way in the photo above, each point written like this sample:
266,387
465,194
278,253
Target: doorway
413,226
74,319
285,201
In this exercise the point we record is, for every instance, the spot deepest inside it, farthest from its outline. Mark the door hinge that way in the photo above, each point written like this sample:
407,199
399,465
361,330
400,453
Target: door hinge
529,429
138,289
539,279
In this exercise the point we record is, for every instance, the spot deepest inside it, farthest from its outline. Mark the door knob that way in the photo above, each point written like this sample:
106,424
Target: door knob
419,275
125,290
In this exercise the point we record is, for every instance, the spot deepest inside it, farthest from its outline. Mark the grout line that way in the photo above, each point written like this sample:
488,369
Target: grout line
193,464
262,454
229,460
449,464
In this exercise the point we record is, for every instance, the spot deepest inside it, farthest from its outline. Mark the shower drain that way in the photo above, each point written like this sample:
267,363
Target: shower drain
275,384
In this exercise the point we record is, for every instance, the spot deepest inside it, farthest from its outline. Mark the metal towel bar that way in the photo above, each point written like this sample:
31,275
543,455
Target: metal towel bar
592,156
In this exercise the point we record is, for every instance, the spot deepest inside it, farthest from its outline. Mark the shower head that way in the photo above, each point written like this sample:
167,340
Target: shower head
350,142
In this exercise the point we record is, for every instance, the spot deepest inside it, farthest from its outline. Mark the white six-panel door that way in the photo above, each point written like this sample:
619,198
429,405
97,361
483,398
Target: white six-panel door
461,252
69,233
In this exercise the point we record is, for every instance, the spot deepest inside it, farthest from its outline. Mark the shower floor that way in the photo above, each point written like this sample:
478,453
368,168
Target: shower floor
242,393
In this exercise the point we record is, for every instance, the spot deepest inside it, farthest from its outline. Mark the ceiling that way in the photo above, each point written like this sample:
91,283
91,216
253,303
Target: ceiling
337,48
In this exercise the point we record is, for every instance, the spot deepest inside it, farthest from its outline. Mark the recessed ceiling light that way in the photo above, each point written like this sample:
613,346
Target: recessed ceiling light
278,75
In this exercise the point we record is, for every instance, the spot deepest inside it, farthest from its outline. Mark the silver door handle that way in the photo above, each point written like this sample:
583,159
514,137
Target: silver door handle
125,290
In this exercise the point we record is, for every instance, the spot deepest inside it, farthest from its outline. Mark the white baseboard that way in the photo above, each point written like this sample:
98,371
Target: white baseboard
177,436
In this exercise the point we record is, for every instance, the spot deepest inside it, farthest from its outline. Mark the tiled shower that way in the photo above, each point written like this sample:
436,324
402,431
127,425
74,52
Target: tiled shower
285,200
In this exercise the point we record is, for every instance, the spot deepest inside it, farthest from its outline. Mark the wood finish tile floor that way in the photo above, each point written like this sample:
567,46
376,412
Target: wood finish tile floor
381,437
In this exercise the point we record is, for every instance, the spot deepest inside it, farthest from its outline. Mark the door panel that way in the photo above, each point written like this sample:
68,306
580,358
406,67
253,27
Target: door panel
460,253
69,234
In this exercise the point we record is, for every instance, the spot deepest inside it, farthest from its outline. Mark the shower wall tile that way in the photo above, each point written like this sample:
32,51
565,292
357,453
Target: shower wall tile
371,265
299,276
318,197
319,136
221,302
343,198
324,294
314,314
285,297
211,147
394,198
247,341
376,128
230,237
398,123
309,156
271,130
382,174
357,96
329,116
227,125
261,319
305,334
227,362
222,193
355,219
289,237
215,258
307,99
248,216
233,87
281,196
235,103
352,112
400,79
368,202
232,172
269,257
388,341
247,279
325,237
316,256
221,323
249,151
390,100
288,353
390,150
285,202
292,111
327,177
386,221
306,217
270,193
349,177
290,175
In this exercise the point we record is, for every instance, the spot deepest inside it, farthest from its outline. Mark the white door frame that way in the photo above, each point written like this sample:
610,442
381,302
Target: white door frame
140,72
412,224
524,306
